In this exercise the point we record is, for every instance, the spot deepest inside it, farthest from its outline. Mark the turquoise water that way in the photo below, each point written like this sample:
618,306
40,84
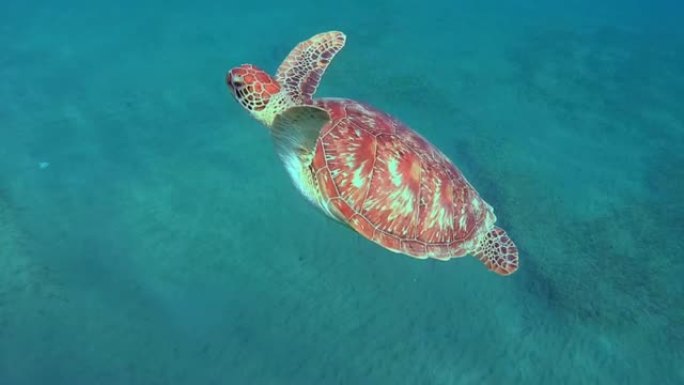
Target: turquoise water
150,235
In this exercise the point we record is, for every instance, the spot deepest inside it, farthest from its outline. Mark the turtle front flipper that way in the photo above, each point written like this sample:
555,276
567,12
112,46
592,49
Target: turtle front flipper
295,132
297,128
301,71
498,252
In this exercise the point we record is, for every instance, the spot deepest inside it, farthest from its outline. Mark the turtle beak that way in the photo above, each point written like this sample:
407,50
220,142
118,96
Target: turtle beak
229,80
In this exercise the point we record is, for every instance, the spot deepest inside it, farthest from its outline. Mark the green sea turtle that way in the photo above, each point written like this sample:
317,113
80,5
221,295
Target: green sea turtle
365,168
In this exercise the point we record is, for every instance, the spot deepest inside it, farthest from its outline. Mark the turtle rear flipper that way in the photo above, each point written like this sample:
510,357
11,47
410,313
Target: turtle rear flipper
498,252
301,71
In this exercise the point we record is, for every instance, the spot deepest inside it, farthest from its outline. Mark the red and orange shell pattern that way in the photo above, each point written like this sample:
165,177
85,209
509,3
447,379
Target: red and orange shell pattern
393,186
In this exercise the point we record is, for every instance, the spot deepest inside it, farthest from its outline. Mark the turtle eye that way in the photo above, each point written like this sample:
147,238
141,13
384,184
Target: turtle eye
235,81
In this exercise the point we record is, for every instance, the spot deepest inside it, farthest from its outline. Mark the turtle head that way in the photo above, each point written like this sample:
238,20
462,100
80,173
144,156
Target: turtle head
253,88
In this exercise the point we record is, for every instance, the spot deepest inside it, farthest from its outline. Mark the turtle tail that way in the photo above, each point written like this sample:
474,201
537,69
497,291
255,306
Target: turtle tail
498,252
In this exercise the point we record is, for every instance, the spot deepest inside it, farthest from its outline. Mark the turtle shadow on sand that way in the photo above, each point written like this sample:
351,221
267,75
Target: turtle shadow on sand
19,277
604,84
536,282
599,253
616,273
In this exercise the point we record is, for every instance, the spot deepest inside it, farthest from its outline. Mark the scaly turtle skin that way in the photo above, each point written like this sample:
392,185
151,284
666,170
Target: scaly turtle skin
367,169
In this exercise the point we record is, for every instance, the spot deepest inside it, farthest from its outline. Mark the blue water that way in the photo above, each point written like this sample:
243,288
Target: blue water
150,235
